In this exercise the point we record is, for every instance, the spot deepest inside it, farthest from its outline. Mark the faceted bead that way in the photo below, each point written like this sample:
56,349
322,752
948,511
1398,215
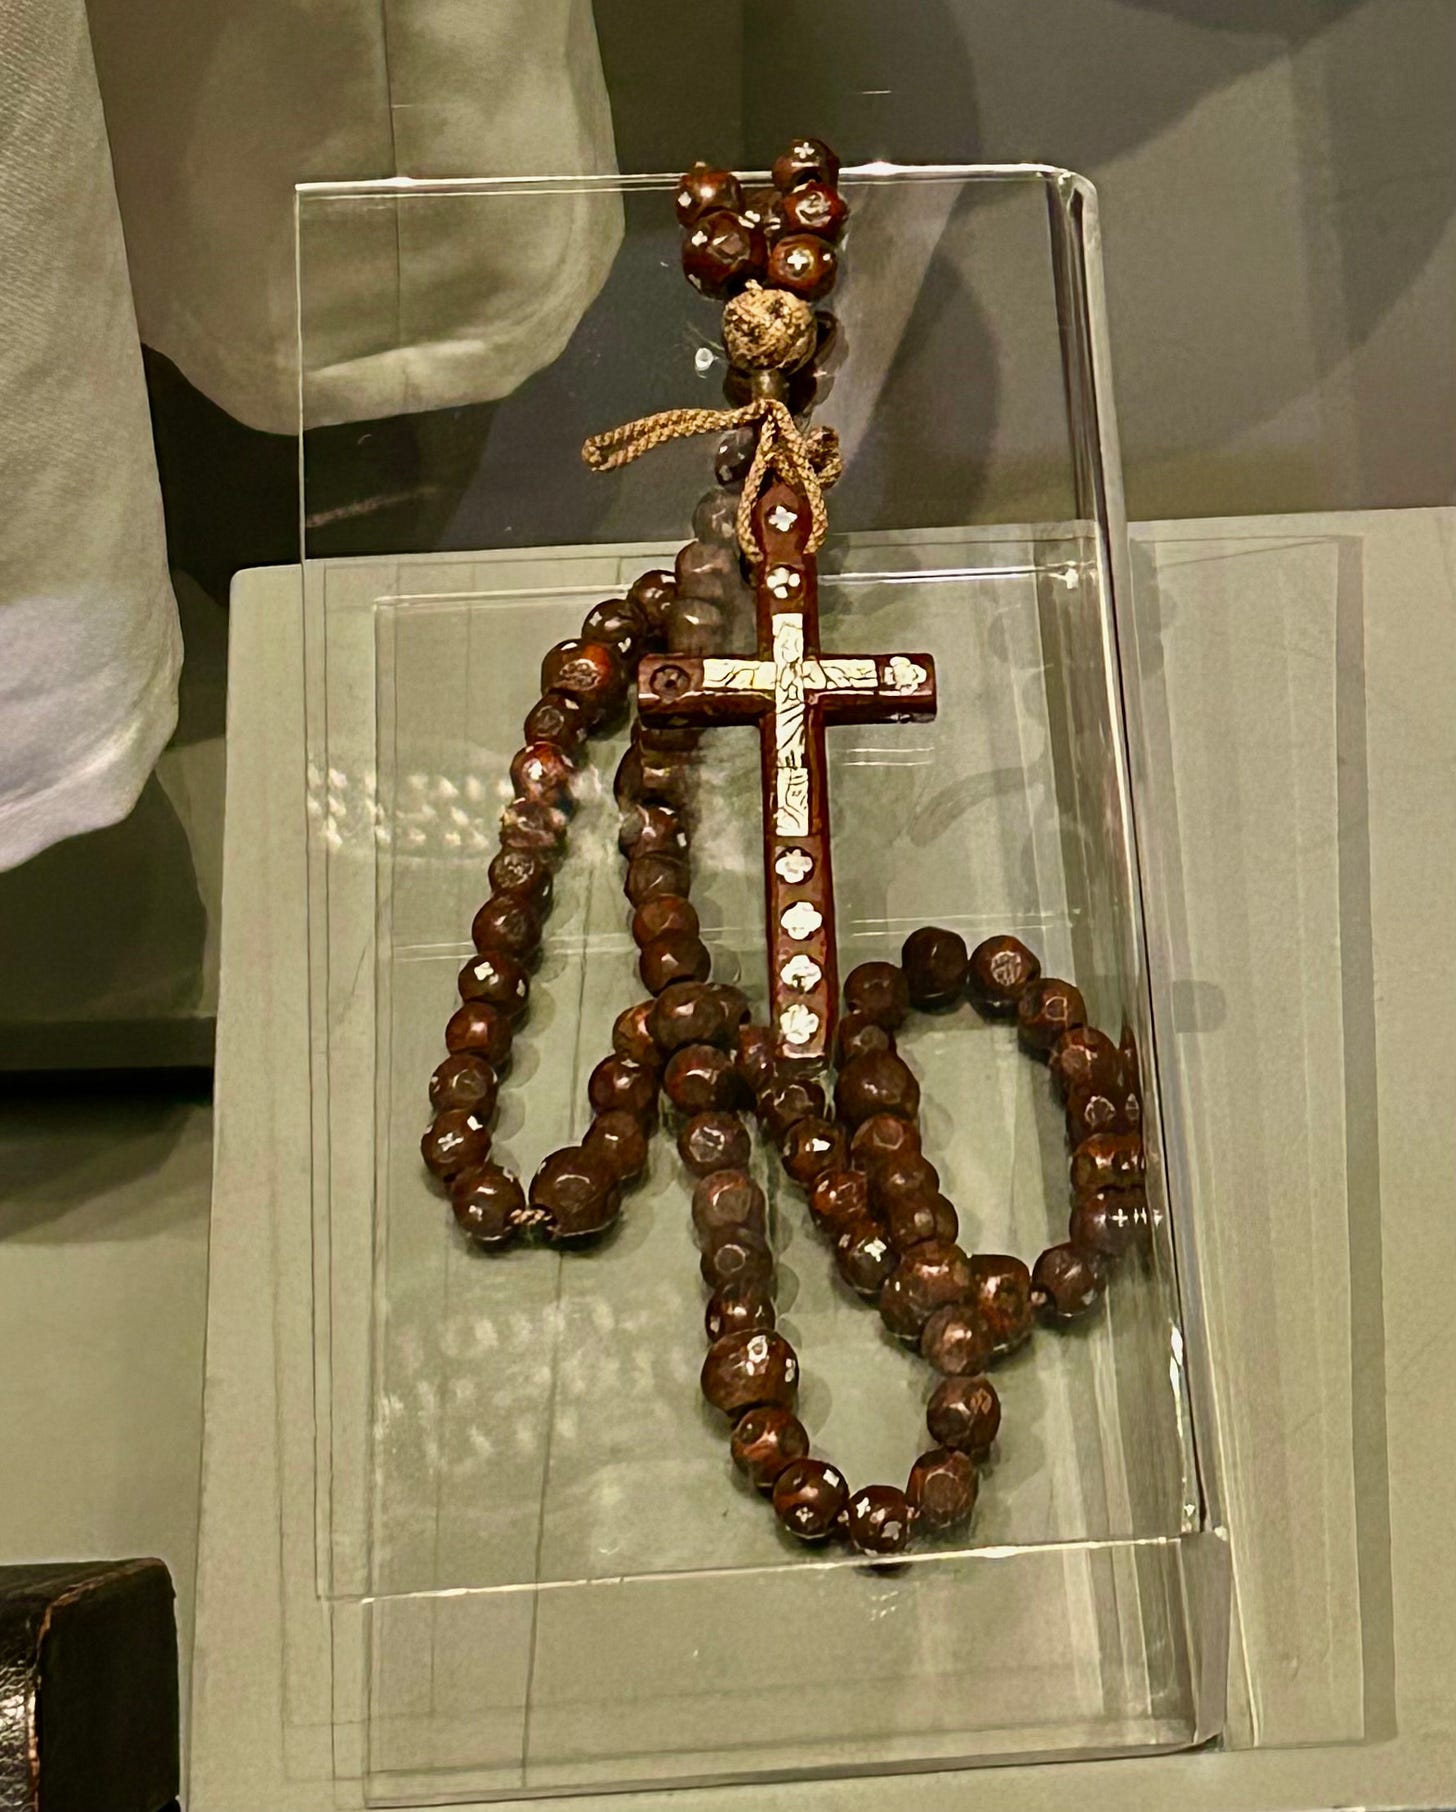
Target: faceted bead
590,672
926,1279
879,1519
695,626
753,1049
1001,1296
942,1488
935,963
736,1009
914,1219
533,824
811,1146
964,1413
1084,1058
465,1081
725,1199
653,592
483,1029
877,1083
632,1036
663,913
864,1256
883,1139
878,992
578,1191
721,252
676,956
1048,1008
906,1179
1109,1222
620,623
837,1197
809,1497
954,1340
498,979
521,871
739,1308
813,207
627,781
1000,972
1068,1283
734,455
857,1036
715,520
507,922
617,1086
557,718
714,1141
1107,1161
541,771
760,207
1094,1110
675,739
700,1076
665,777
703,190
806,160
786,1101
765,1441
488,1203
686,1013
743,1371
708,569
736,1255
651,875
803,265
649,829
458,1139
621,1140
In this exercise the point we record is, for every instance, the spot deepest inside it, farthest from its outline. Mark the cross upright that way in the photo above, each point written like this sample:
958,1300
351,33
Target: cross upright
791,691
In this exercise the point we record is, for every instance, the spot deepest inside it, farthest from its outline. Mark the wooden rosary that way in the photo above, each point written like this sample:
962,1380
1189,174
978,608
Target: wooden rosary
771,254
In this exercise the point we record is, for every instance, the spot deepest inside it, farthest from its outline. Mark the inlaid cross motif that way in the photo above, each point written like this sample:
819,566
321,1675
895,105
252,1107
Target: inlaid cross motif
791,689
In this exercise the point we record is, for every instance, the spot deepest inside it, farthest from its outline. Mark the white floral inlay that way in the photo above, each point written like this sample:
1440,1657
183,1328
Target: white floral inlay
802,919
798,1023
782,518
903,675
800,972
783,581
794,866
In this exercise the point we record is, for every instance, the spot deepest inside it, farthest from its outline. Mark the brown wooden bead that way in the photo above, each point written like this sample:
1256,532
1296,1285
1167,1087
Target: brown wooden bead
632,1036
1048,1008
864,1256
761,206
620,1139
877,992
806,160
652,593
883,1139
856,1036
507,922
912,1220
1001,1295
878,1520
676,956
734,455
535,825
661,914
482,1029
765,1441
704,190
935,963
1094,1110
739,1308
809,1498
736,1009
753,1050
694,626
649,828
877,1083
721,252
907,1179
736,1255
715,520
811,1146
686,1013
556,717
578,1192
1000,971
786,1101
666,778
458,1139
728,1198
1084,1058
803,265
700,1076
955,1341
521,871
589,672
837,1197
964,1413
666,739
627,781
648,876
1109,1222
714,1141
1107,1161
465,1081
542,771
926,1279
620,623
617,1086
707,569
488,1204
812,207
743,1371
1068,1283
942,1488
498,978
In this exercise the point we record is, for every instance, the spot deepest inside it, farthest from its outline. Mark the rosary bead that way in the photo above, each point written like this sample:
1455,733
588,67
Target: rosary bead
700,1076
878,1520
856,1036
914,1219
838,1197
745,1371
935,963
676,956
652,593
728,1199
734,455
753,1049
497,978
663,913
721,252
1001,1295
703,190
707,569
954,1340
685,1013
632,1037
465,1081
863,1256
532,824
964,1413
765,1441
786,1101
577,1191
617,1086
739,1308
736,1255
1084,1058
649,829
665,776
521,871
883,1139
1048,1008
812,207
760,207
715,520
487,1203
483,1029
648,876
695,626
1107,1161
736,1010
618,622
803,265
1094,1110
1068,1283
458,1139
619,1139
811,1146
627,781
907,1179
507,923
589,672
877,1083
1001,970
542,771
878,992
942,1488
806,160
809,1498
714,1141
557,718
1109,1221
926,1279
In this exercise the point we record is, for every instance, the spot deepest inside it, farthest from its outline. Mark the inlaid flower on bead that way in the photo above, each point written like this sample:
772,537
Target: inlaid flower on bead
802,919
784,581
904,675
794,866
782,518
800,972
798,1023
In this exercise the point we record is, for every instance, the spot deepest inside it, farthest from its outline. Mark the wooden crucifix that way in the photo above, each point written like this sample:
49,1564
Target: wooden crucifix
791,691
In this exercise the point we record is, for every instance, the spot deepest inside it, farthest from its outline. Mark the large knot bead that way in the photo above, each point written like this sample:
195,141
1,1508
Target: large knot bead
768,330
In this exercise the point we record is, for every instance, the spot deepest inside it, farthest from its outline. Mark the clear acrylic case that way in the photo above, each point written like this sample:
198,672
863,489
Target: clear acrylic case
539,1570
